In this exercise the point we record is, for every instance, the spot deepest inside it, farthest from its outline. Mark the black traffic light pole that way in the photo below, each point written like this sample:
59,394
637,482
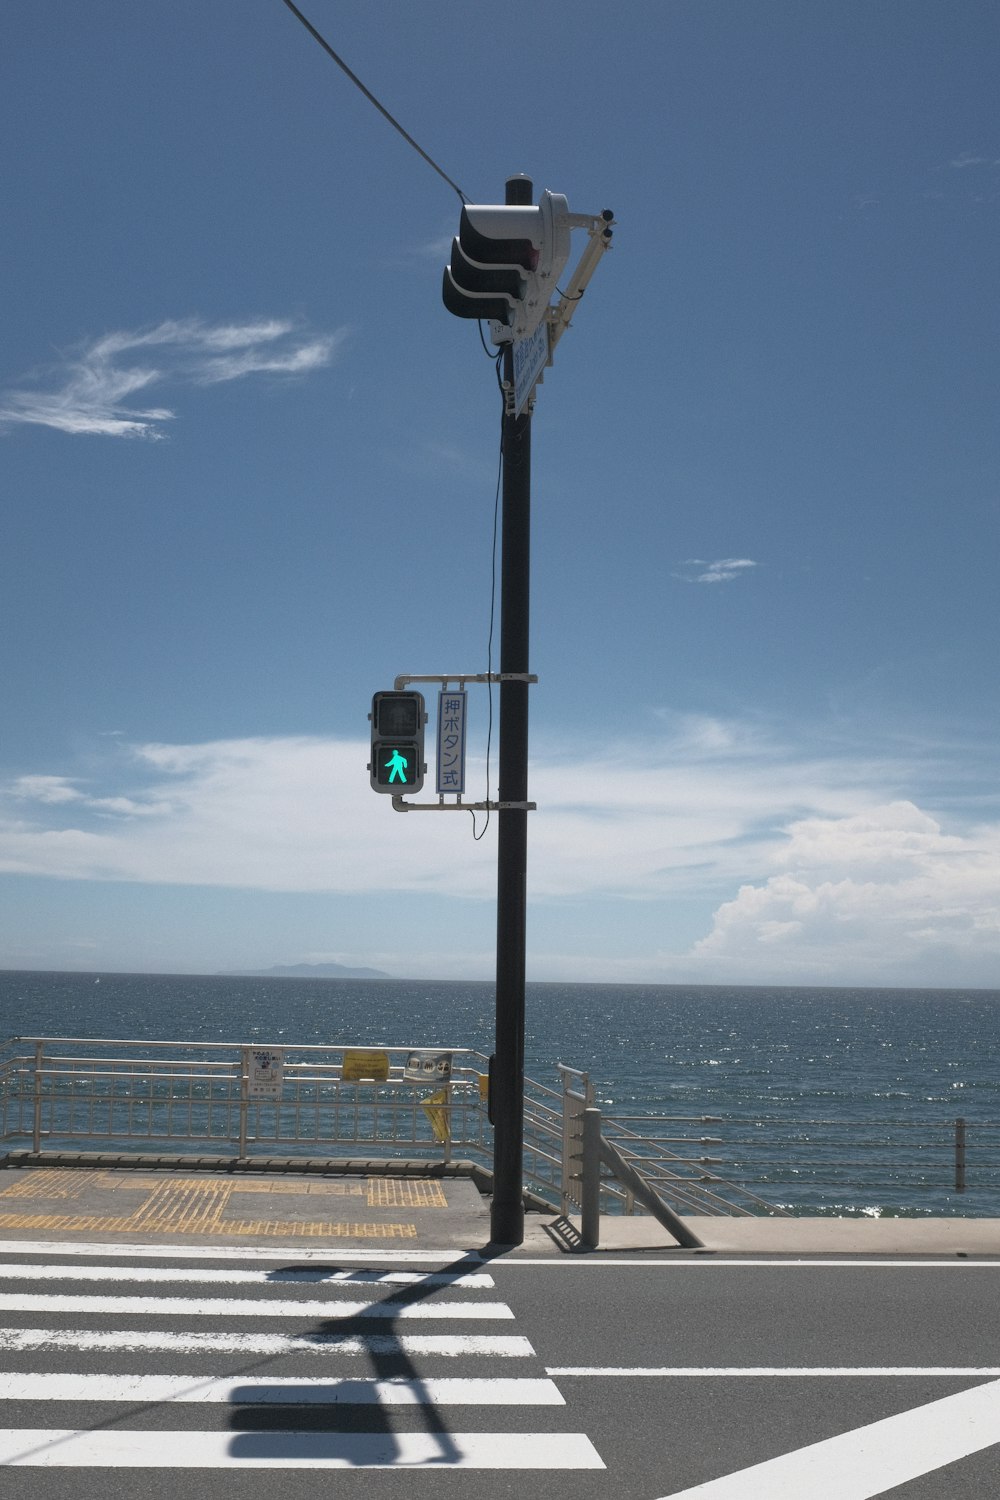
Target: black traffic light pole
507,1081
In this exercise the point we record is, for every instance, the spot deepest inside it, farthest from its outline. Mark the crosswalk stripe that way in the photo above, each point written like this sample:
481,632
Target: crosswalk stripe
450,1346
235,1276
235,1307
282,1390
52,1447
116,1314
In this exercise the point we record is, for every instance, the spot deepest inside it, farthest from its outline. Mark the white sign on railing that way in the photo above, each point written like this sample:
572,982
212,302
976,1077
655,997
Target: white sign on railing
265,1072
428,1067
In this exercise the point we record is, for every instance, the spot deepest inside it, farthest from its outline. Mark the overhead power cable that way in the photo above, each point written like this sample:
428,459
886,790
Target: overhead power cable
493,611
371,98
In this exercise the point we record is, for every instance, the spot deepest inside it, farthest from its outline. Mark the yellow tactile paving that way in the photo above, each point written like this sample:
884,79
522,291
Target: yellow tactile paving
197,1205
183,1206
405,1192
300,1187
245,1228
52,1183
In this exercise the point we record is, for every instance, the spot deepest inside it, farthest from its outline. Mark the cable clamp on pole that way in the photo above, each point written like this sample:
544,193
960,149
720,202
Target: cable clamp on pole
510,401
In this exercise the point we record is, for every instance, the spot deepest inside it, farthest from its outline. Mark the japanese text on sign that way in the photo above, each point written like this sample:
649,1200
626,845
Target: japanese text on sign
363,1064
265,1073
451,742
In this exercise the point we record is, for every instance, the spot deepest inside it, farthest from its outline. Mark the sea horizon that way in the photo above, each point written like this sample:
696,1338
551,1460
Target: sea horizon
284,972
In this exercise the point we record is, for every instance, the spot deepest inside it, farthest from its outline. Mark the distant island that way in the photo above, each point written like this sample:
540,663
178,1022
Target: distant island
307,971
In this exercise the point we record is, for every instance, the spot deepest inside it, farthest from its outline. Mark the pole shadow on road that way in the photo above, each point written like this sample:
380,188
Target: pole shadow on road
262,1432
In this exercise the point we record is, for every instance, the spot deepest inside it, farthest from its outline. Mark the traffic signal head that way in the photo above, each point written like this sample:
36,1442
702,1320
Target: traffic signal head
506,262
397,763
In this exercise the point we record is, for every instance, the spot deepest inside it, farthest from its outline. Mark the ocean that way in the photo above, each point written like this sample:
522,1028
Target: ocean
811,1065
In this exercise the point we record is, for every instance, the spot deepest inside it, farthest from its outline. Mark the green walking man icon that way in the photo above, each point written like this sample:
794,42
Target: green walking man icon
396,766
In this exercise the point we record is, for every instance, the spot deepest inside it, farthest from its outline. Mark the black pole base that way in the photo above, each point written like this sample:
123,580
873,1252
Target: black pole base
507,1224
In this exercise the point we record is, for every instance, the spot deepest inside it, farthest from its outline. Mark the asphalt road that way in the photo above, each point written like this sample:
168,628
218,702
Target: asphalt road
687,1376
747,1362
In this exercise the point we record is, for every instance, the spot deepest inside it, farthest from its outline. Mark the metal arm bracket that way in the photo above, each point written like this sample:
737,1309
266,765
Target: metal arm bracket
400,804
460,677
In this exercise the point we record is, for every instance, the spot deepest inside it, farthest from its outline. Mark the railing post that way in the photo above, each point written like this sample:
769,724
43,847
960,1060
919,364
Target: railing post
960,1155
590,1187
574,1102
565,1164
36,1132
244,1099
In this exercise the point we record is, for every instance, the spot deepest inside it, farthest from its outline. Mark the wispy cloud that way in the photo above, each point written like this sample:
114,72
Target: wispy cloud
438,249
968,160
802,866
92,391
723,570
55,791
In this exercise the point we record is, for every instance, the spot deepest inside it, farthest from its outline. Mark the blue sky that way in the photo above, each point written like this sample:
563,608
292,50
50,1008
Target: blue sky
248,466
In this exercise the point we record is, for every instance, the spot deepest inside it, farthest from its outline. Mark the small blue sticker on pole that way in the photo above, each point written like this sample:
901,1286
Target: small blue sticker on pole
451,742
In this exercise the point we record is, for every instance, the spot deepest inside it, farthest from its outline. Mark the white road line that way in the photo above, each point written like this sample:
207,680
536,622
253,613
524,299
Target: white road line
168,1250
287,1276
706,1262
236,1307
49,1448
872,1459
451,1346
796,1372
298,1391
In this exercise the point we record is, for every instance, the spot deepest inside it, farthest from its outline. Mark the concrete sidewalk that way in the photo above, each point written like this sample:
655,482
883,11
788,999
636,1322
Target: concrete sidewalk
387,1210
803,1237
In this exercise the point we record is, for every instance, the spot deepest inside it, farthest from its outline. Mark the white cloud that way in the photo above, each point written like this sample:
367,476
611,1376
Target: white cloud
58,790
297,361
802,867
45,789
297,814
91,392
437,249
723,570
691,734
885,895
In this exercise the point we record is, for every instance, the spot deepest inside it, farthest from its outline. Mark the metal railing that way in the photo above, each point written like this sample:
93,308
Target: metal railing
610,1167
782,1164
840,1164
74,1094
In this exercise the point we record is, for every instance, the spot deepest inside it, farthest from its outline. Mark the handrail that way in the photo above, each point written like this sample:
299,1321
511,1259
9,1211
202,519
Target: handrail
138,1046
73,1089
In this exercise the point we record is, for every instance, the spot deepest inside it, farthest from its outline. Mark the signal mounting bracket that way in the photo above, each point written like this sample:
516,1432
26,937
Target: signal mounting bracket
402,681
400,804
404,678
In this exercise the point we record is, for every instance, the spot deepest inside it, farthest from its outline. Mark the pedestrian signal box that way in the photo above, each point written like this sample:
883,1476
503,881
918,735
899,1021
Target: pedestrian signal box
397,763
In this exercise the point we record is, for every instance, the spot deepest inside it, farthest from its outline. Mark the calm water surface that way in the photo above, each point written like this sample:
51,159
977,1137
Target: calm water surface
830,1054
